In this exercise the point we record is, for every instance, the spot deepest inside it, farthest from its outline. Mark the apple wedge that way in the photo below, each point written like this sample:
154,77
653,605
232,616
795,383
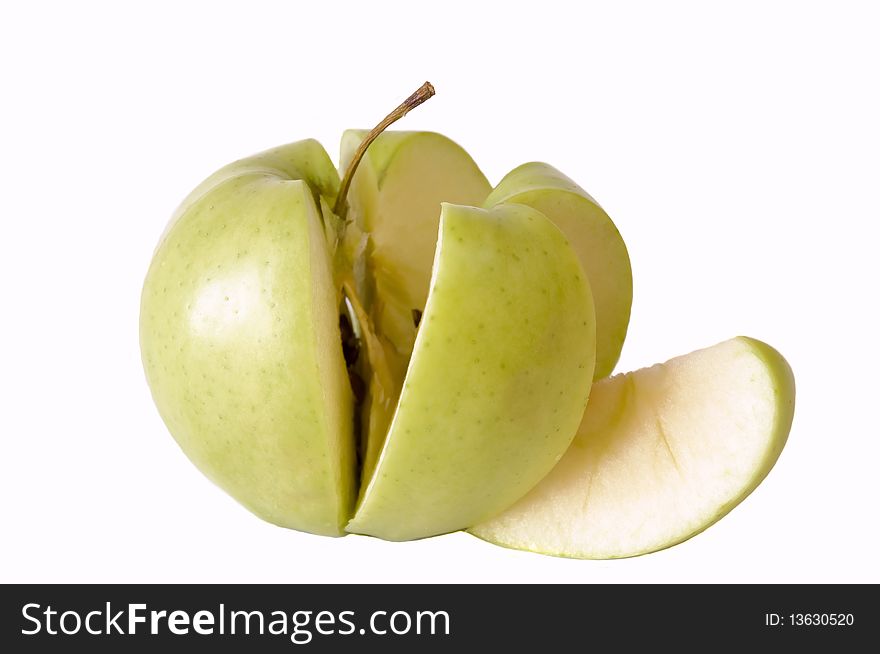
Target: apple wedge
594,238
240,339
661,454
396,196
498,379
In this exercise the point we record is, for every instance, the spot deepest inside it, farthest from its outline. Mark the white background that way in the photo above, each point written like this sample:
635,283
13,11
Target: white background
737,148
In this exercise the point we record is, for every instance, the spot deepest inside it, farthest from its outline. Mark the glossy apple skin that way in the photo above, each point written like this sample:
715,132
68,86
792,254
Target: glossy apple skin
662,454
593,236
498,379
240,340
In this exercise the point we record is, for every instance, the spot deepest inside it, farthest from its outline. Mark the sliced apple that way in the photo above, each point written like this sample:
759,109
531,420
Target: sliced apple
497,382
661,454
593,236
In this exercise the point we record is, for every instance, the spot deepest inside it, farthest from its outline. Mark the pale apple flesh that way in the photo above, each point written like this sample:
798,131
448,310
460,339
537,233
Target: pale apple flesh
593,236
240,340
497,382
662,453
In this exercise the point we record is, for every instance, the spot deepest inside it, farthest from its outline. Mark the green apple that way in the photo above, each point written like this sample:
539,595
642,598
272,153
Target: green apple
403,351
593,236
497,382
661,454
242,347
240,339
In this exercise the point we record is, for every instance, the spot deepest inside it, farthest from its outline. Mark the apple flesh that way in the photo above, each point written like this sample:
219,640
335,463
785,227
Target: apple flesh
240,339
498,379
593,236
661,454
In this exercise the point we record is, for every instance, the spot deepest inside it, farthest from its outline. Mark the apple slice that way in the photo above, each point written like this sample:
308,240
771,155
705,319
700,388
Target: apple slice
661,454
394,210
240,339
498,378
593,236
395,198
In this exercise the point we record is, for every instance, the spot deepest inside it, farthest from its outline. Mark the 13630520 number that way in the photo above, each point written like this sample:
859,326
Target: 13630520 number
821,619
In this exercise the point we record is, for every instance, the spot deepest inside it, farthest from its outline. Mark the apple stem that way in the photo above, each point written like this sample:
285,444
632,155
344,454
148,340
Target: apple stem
424,92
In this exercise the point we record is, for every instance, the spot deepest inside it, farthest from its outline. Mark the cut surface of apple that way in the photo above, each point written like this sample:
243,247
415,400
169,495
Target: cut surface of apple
661,454
497,381
594,238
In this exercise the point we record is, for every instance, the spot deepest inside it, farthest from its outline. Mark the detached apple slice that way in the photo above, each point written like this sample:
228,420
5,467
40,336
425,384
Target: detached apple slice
594,238
498,378
661,454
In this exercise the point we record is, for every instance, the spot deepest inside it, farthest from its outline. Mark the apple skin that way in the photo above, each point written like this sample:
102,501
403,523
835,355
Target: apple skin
498,380
661,455
593,236
240,339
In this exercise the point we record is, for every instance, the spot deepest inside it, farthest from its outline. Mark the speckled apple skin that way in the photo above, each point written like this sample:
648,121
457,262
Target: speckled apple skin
240,340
